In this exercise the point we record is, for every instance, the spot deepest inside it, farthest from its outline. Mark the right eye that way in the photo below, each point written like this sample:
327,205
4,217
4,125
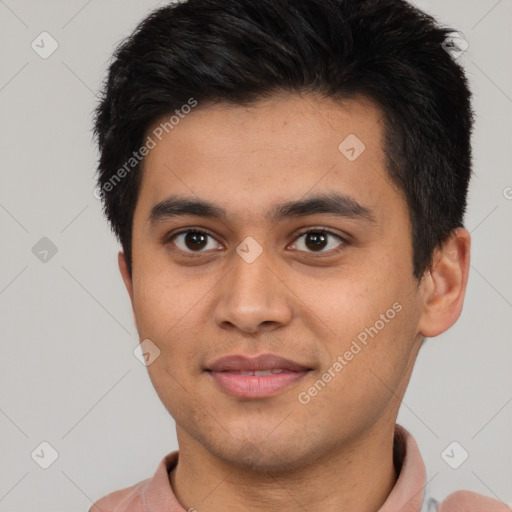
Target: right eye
192,241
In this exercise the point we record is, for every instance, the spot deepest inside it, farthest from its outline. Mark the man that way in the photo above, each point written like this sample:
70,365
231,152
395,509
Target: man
288,181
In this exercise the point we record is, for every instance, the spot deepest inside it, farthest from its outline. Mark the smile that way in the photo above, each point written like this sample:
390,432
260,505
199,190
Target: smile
256,384
257,377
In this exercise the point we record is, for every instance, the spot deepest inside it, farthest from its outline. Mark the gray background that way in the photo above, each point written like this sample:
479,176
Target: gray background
68,375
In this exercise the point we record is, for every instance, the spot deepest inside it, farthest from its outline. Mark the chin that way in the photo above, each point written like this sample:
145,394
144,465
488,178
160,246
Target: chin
259,453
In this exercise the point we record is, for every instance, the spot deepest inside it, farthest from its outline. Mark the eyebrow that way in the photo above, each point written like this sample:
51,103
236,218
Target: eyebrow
340,205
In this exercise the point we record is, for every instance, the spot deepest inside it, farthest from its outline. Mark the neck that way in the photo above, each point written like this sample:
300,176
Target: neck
357,476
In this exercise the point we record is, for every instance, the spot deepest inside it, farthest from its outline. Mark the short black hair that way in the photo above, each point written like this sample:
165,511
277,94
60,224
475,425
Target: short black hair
242,51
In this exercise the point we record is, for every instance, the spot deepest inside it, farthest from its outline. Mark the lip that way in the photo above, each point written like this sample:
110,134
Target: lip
233,375
243,363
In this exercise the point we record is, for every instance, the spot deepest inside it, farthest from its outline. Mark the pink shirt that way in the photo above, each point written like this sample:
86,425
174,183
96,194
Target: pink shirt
156,494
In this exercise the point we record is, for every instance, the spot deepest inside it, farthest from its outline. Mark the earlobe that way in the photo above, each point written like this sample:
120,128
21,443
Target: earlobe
127,278
444,286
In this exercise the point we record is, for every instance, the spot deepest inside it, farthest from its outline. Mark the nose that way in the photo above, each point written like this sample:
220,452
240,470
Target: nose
253,297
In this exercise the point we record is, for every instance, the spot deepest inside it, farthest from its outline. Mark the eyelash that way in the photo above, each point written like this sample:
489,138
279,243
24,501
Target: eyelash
192,254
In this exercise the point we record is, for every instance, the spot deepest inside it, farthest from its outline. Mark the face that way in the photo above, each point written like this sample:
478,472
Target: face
287,319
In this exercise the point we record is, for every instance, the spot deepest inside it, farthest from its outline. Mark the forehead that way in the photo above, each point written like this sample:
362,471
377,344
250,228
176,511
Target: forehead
286,147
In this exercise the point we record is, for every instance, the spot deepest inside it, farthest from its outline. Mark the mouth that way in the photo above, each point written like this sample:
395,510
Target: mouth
257,377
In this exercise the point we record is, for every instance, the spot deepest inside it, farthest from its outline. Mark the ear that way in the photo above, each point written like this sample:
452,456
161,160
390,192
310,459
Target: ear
127,278
444,286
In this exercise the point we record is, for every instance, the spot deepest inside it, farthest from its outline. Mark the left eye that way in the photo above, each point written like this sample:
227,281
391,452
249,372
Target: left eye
317,240
196,241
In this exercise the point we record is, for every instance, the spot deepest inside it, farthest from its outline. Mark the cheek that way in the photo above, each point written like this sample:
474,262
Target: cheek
373,359
373,326
172,317
351,304
163,301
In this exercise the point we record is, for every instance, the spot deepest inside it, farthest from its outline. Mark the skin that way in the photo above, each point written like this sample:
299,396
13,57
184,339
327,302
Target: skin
294,301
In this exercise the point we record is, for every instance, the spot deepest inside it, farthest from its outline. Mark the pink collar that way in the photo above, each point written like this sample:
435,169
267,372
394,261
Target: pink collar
156,494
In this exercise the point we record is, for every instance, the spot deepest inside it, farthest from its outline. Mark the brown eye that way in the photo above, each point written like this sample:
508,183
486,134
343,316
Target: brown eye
191,241
195,240
315,241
